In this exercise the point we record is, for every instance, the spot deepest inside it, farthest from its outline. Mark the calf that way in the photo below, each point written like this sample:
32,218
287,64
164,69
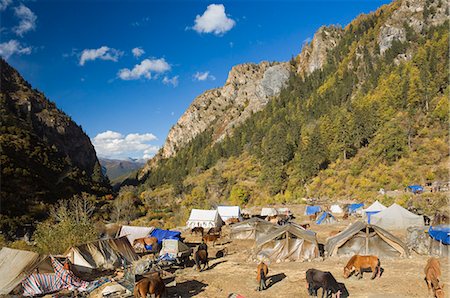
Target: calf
432,275
153,285
261,276
317,279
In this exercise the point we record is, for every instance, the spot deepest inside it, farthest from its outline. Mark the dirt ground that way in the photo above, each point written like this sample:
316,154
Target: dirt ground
236,272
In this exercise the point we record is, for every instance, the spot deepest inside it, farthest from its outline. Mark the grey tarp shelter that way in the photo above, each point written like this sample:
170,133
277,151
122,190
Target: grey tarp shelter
251,229
288,242
365,239
15,265
102,254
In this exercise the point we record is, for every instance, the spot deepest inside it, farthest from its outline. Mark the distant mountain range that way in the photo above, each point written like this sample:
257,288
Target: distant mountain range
118,170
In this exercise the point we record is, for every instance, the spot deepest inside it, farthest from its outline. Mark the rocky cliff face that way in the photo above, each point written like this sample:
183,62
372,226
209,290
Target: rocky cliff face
45,155
314,54
418,15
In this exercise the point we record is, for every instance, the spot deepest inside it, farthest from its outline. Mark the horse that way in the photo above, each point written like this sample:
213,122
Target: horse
210,238
153,285
306,226
313,217
317,279
215,231
432,274
345,216
261,276
201,257
232,220
145,242
197,230
359,263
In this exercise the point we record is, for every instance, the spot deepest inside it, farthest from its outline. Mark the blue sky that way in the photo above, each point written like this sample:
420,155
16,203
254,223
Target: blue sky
80,54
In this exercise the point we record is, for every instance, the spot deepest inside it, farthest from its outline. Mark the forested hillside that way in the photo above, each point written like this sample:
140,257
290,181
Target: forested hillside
374,116
45,156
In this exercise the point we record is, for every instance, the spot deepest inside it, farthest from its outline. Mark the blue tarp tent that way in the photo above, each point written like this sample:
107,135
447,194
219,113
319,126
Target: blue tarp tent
312,210
440,233
326,217
165,234
415,188
353,207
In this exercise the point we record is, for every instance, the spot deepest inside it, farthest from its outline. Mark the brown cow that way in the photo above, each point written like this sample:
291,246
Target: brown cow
261,276
432,275
359,263
153,285
210,238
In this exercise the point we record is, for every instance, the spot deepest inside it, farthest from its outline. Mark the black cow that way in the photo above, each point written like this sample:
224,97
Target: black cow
318,279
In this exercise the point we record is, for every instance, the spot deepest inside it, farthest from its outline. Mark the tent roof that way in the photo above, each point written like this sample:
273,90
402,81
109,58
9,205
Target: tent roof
268,211
340,239
440,233
294,230
324,216
15,265
376,206
312,210
396,217
203,215
133,232
229,211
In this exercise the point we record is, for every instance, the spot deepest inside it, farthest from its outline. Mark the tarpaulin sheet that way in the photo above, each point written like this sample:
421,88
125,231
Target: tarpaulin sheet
353,207
165,234
312,210
440,233
325,218
43,283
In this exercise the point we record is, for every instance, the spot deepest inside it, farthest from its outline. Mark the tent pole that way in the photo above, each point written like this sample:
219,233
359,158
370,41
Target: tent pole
367,239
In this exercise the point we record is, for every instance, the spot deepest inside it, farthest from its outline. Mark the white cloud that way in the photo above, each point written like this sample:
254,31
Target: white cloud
214,20
145,69
13,47
102,53
173,81
137,52
27,20
203,76
113,144
4,4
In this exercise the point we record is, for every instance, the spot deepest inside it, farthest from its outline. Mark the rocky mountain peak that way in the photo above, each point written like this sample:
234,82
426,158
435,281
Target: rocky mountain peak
314,54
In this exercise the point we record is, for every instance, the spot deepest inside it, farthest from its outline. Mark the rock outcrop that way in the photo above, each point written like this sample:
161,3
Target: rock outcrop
314,54
247,90
415,14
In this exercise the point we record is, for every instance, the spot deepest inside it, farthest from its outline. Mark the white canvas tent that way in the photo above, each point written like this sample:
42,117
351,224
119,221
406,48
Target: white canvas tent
336,209
396,217
173,248
133,232
15,265
268,212
376,206
227,212
204,218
